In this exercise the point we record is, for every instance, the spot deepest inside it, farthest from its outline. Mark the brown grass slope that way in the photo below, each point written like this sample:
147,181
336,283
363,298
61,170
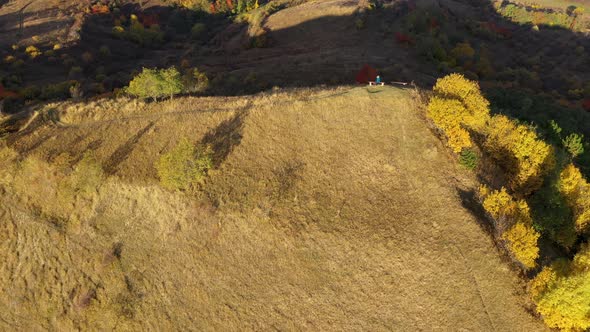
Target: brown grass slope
328,210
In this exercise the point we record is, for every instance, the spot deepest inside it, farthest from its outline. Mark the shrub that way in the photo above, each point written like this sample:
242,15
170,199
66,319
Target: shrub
197,30
87,57
145,37
203,5
195,81
468,158
104,51
75,72
562,292
463,52
118,31
9,59
33,51
87,176
185,166
359,23
53,91
76,90
156,83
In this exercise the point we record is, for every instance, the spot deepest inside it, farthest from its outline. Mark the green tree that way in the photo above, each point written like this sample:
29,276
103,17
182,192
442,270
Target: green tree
573,144
156,83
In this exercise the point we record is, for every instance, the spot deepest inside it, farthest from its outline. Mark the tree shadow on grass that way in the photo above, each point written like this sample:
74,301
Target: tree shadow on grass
471,203
225,137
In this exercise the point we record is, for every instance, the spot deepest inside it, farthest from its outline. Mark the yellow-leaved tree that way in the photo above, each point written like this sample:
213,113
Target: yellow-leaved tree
576,191
562,293
518,149
514,223
456,107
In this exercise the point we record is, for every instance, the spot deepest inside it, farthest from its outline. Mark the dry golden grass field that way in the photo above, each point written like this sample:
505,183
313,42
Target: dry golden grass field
326,210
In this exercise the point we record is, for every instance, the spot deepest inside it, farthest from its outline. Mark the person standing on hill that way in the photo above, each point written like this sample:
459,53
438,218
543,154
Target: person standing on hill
378,79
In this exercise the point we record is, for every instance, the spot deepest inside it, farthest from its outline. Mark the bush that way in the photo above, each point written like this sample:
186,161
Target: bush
75,72
463,52
185,166
118,31
468,159
55,91
87,176
202,5
145,37
156,83
195,81
359,23
137,33
33,52
197,30
87,57
104,51
9,59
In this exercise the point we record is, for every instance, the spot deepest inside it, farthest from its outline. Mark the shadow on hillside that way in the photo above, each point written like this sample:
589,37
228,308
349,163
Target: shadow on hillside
528,72
471,203
329,50
224,138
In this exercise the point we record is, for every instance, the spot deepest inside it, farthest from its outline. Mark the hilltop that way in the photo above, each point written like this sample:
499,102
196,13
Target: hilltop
326,209
201,164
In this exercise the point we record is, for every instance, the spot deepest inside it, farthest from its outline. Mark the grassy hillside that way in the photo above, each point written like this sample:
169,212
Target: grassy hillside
326,210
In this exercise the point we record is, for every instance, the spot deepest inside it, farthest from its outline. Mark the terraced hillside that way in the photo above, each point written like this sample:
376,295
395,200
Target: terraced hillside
326,210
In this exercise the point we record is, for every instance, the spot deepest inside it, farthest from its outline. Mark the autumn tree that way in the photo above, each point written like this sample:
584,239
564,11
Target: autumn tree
458,106
576,191
514,223
520,151
561,292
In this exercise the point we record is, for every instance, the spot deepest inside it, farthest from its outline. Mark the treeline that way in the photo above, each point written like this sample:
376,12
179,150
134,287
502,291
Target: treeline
532,170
